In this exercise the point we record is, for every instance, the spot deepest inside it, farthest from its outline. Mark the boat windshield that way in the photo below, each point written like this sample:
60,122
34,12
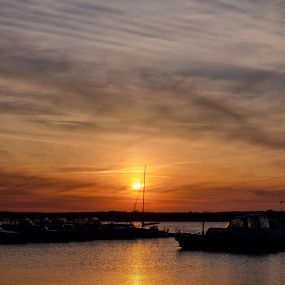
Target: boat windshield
258,222
251,222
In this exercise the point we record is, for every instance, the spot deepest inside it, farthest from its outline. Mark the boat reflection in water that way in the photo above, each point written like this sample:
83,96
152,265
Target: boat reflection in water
249,233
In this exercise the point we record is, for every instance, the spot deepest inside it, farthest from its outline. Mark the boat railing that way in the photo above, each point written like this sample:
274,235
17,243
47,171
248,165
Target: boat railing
191,231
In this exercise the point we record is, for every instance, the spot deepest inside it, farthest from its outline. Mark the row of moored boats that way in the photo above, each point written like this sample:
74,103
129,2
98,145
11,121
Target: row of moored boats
61,230
249,233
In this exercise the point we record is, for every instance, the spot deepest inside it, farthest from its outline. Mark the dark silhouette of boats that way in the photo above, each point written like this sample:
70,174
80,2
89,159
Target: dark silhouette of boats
26,231
148,230
8,236
249,233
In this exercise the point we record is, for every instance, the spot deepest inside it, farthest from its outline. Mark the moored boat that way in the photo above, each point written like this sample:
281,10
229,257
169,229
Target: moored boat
8,236
148,230
249,233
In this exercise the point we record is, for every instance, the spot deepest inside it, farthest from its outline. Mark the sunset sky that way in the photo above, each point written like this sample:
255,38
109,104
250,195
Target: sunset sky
91,91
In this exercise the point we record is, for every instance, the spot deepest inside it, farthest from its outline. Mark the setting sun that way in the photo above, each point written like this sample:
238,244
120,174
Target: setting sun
137,186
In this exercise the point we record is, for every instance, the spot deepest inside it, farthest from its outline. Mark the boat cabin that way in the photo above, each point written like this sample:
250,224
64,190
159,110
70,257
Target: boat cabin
254,222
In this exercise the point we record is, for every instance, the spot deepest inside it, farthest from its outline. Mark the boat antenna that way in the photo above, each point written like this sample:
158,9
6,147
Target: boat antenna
143,196
281,209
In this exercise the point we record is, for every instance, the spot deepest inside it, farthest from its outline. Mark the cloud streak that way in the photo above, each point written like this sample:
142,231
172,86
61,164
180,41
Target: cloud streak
22,191
86,84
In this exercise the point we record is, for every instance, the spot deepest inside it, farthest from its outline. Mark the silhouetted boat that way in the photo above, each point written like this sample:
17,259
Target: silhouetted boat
250,233
8,236
148,230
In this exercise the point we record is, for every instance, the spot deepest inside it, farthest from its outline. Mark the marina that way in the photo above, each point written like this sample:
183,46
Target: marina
142,142
136,262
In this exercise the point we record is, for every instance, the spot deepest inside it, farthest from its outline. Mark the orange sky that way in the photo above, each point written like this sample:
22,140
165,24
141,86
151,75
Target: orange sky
92,91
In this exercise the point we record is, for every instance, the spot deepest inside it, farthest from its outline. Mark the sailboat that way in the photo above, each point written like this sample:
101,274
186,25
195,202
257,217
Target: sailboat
148,229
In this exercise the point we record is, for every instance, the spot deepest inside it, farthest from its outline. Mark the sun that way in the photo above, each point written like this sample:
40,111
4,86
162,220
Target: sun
137,186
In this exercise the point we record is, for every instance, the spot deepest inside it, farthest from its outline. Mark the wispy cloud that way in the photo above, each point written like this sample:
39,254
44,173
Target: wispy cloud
86,84
28,191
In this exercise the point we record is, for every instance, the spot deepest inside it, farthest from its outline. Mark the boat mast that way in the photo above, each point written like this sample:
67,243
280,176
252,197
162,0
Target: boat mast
143,196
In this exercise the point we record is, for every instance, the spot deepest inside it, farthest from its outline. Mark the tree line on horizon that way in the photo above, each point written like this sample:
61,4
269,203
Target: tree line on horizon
120,216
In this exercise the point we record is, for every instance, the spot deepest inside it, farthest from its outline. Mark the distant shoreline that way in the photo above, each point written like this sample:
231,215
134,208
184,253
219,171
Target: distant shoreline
148,216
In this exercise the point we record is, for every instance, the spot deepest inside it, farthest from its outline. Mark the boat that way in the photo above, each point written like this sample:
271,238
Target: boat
148,229
249,233
8,236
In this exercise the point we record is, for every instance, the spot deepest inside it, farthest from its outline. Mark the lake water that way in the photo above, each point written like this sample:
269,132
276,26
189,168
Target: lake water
135,262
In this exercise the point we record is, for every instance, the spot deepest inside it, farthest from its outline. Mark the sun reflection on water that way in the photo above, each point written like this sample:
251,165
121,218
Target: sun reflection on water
134,262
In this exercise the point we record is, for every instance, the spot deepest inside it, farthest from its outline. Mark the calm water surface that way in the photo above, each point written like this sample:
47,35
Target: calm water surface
157,261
